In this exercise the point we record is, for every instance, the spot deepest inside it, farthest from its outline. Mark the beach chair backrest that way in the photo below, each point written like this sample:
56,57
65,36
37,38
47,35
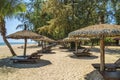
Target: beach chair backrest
86,50
118,61
32,55
81,50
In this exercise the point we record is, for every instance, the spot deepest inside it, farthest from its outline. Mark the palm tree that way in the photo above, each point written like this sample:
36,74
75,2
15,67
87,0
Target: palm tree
25,26
8,8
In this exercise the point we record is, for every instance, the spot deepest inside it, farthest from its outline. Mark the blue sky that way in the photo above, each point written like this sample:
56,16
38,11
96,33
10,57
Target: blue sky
11,25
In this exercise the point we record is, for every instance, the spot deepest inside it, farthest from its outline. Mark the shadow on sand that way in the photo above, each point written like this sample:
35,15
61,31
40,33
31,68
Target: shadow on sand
84,57
22,47
107,51
66,50
48,53
8,63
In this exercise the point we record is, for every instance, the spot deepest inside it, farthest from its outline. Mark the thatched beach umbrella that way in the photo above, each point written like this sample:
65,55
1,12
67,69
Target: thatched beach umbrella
76,40
25,34
45,39
100,31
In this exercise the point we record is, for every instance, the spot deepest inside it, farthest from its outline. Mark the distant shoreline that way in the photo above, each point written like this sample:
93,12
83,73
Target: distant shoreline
16,43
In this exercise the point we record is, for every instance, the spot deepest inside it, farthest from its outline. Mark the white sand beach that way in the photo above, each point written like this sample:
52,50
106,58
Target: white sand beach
60,65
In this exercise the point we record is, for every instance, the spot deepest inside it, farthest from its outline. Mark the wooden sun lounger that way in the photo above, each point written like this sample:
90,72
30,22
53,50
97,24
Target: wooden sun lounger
115,75
109,66
46,49
30,58
82,52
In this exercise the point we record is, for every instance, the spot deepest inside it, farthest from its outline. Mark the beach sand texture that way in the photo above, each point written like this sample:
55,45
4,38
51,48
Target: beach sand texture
60,65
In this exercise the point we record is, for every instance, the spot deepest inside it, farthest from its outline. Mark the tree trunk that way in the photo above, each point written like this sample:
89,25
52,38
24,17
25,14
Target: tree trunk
42,46
8,45
3,33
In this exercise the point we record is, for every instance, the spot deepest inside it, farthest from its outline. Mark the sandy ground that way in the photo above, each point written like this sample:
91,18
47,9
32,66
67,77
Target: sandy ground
60,65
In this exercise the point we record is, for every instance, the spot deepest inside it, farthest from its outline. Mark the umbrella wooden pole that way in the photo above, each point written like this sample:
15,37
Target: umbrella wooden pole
102,56
76,44
45,44
42,45
25,47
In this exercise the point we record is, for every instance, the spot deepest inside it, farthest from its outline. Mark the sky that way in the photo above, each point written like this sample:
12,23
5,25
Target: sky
11,25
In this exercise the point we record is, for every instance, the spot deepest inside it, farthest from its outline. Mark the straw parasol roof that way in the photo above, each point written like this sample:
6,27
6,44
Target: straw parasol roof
44,38
70,39
106,30
76,40
25,34
59,41
100,31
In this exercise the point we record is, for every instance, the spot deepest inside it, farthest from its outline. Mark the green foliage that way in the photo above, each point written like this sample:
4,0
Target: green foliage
35,15
10,7
118,16
60,24
94,41
117,12
56,18
68,16
109,40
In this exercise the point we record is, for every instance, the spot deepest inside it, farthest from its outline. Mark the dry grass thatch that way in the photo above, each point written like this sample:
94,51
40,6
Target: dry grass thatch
44,38
68,39
106,30
24,34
